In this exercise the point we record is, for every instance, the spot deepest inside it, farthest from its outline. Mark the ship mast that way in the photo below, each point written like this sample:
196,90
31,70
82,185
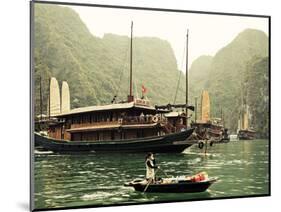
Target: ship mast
195,110
186,79
242,106
41,101
131,97
49,106
222,117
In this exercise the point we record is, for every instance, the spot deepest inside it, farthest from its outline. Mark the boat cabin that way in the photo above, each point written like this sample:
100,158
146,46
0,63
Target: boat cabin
109,122
176,121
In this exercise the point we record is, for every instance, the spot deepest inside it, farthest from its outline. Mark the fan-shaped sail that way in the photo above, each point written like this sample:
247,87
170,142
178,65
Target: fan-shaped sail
55,107
246,118
205,106
65,98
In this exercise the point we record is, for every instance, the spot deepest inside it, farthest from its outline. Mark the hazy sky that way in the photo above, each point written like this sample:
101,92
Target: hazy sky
207,33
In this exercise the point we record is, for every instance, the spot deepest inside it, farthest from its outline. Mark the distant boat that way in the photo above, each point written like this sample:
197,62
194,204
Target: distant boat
207,127
244,132
128,126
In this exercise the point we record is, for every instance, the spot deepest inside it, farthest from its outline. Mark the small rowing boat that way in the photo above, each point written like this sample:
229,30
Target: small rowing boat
184,184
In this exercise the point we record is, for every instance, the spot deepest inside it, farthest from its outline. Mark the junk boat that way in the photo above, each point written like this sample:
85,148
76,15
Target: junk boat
208,128
244,131
130,126
184,184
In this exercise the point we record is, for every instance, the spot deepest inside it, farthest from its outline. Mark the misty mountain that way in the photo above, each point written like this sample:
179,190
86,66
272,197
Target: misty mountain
224,75
96,68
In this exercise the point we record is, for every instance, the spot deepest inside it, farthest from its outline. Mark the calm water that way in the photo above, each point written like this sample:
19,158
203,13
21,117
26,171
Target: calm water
97,179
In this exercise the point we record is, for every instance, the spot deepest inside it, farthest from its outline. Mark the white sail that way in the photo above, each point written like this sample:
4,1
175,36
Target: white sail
238,125
65,98
55,107
205,106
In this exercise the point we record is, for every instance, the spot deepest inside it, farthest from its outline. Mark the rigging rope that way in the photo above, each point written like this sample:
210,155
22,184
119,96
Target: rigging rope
121,75
178,83
135,81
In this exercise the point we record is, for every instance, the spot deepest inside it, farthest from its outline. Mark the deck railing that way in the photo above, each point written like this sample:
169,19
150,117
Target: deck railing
128,120
92,124
142,120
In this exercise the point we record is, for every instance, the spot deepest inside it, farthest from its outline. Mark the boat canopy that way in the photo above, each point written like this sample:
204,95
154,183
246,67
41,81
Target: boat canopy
118,106
174,114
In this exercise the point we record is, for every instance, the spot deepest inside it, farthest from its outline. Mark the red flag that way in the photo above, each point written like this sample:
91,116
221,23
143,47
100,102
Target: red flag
143,89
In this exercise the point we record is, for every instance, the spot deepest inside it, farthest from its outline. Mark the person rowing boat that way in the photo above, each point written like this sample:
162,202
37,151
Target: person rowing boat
150,167
199,182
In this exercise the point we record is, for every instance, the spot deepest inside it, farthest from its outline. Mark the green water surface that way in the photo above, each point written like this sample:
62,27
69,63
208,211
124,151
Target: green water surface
97,179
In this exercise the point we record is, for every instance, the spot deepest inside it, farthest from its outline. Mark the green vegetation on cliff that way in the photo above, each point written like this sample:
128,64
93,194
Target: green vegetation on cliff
98,68
257,94
225,73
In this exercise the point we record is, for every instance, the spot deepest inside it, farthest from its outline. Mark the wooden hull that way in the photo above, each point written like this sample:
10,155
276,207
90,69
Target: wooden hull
216,133
181,187
176,142
246,135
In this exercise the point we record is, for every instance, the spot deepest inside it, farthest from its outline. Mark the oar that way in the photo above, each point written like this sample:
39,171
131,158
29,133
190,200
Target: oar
147,185
149,182
164,172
